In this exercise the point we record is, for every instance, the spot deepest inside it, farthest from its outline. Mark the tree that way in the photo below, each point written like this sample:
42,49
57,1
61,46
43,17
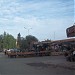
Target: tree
9,41
27,42
31,38
24,44
1,42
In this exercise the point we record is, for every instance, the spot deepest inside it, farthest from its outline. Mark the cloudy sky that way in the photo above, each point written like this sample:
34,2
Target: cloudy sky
45,19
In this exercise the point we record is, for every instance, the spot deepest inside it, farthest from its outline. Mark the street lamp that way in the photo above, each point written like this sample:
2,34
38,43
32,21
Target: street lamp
28,29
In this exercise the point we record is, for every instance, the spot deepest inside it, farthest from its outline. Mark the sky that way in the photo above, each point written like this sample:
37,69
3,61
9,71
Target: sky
44,19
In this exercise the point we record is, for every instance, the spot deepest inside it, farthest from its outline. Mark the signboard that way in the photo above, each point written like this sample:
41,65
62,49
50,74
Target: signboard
71,31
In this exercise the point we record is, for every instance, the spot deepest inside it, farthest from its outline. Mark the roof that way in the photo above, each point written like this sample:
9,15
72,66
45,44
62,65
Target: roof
65,40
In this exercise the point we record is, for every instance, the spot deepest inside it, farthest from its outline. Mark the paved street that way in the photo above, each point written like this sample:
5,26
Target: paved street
35,66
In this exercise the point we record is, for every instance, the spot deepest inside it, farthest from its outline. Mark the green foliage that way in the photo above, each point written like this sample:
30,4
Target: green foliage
31,38
7,41
24,43
1,42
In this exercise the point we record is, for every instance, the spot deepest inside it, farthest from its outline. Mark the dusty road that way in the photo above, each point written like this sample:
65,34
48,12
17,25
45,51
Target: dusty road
34,66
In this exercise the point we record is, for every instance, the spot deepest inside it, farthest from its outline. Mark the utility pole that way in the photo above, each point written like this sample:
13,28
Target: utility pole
54,35
28,29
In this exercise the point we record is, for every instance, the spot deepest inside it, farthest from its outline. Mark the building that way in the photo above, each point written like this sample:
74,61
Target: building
71,31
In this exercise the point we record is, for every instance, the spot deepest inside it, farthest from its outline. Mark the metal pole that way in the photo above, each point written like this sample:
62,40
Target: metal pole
28,29
54,35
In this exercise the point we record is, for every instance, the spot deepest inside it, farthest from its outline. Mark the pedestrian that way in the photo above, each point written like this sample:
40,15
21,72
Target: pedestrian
74,53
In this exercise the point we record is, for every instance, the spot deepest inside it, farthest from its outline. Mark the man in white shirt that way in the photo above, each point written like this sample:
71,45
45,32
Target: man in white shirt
74,52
